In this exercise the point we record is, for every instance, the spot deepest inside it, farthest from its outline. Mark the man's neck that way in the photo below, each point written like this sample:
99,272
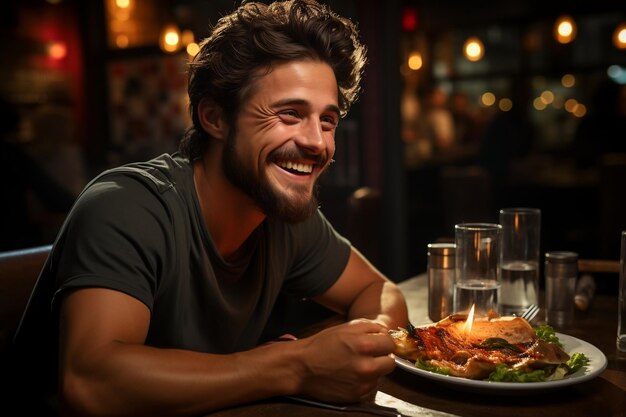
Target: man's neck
230,215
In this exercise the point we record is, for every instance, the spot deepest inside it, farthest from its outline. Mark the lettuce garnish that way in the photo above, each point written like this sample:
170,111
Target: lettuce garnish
427,366
576,361
504,373
546,333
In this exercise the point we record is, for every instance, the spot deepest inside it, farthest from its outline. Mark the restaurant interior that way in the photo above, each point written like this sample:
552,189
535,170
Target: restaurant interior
466,108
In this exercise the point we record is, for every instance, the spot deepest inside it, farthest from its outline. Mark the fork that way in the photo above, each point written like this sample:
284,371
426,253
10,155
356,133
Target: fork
531,312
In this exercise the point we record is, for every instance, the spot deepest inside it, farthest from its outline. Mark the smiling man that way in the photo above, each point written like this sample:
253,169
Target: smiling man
165,274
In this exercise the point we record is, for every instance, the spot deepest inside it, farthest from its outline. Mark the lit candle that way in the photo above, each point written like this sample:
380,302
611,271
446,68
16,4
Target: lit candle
467,327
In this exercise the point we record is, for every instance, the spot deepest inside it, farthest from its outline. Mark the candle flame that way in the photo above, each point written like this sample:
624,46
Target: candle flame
467,327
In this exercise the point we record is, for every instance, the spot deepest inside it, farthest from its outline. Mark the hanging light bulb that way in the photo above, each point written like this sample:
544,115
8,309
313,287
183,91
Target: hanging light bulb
473,49
564,29
169,39
619,36
415,61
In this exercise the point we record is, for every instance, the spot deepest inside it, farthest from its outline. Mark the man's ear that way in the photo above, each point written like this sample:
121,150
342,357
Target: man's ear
211,118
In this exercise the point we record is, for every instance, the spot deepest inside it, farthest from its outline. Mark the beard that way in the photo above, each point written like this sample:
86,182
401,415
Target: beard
271,201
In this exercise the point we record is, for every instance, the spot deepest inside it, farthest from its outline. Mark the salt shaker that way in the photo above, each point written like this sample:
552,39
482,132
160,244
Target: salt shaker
441,263
561,272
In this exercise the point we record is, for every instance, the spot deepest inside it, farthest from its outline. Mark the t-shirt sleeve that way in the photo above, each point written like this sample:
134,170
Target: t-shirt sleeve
113,239
319,257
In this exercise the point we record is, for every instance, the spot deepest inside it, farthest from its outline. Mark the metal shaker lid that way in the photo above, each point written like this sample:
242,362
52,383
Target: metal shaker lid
441,255
561,257
561,264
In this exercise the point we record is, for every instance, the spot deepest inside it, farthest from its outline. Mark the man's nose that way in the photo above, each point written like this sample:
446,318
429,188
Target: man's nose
312,137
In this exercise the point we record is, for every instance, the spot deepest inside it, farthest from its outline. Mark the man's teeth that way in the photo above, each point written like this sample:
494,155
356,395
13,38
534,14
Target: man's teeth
304,168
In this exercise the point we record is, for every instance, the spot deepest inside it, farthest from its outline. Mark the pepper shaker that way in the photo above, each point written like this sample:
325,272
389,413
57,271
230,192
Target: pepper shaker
441,270
561,272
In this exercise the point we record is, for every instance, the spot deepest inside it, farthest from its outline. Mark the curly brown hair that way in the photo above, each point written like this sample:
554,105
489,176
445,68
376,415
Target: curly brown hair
255,36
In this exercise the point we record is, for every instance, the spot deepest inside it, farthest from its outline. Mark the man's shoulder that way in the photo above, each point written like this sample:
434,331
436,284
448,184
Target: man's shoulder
163,172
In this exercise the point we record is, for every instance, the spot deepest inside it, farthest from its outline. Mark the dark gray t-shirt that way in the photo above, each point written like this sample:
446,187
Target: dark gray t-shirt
139,229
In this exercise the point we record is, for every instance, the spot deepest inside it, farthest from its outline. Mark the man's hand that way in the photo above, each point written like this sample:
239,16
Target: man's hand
343,364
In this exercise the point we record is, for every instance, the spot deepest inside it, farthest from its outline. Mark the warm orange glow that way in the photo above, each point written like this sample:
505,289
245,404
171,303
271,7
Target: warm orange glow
505,104
121,41
193,49
488,99
568,80
57,50
169,40
473,49
467,327
415,61
619,36
539,104
570,105
579,110
547,96
187,37
564,29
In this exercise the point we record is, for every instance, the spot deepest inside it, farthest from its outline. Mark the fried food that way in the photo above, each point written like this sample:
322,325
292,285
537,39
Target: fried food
474,353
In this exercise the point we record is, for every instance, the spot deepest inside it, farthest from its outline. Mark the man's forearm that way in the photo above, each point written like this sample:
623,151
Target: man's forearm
138,380
383,302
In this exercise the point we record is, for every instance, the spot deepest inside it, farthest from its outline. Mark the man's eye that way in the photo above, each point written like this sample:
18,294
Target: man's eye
289,113
329,122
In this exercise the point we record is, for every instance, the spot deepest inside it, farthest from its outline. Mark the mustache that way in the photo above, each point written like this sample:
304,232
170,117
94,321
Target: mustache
299,154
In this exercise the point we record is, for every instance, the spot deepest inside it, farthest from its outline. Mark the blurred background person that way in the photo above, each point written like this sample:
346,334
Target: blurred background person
467,127
508,137
438,120
24,181
53,142
601,131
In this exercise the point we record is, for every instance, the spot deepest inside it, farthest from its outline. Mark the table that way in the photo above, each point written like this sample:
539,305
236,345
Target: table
604,396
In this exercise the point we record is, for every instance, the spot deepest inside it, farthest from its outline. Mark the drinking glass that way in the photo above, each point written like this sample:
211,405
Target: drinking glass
519,263
621,313
477,280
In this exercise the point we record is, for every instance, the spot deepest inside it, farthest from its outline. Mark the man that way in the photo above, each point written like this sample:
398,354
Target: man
165,272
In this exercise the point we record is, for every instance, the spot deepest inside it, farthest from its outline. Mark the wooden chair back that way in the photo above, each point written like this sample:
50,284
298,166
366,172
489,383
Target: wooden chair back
365,220
19,270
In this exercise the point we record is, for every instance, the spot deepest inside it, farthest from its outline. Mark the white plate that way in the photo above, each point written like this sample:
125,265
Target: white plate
597,364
